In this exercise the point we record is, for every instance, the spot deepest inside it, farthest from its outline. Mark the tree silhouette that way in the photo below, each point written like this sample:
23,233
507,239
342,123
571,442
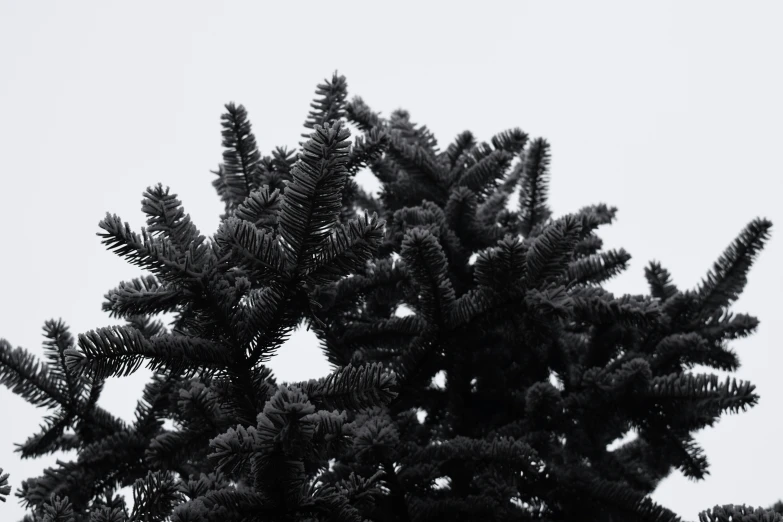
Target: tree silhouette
544,369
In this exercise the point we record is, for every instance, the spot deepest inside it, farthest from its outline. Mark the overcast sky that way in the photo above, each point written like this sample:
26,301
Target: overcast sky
670,111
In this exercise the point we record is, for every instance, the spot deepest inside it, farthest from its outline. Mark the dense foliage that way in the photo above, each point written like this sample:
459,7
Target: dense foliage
457,269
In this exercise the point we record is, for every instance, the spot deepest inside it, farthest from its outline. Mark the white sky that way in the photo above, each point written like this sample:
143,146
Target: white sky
669,110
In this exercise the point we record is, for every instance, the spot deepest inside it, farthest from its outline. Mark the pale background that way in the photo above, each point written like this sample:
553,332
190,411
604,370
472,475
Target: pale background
669,110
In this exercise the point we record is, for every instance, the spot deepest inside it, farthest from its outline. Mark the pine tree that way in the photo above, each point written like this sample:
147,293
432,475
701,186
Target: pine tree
544,368
532,304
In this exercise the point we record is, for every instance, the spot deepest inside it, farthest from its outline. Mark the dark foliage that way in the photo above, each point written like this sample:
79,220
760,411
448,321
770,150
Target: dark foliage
544,369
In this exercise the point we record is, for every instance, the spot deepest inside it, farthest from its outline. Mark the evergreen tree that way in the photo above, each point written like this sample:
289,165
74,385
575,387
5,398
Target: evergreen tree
544,368
532,304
